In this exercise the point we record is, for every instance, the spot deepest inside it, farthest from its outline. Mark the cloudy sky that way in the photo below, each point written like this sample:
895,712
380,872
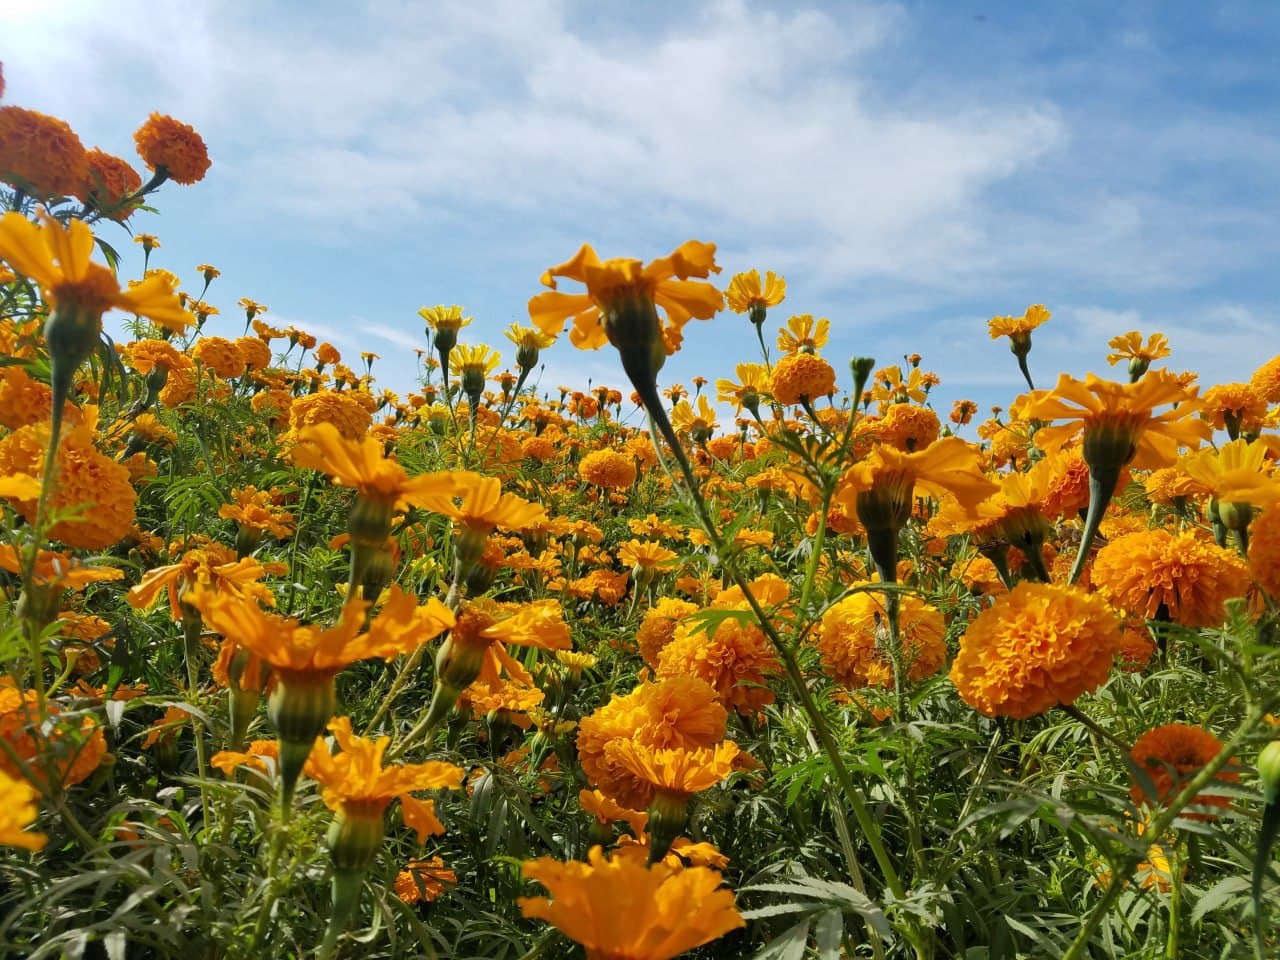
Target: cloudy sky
911,168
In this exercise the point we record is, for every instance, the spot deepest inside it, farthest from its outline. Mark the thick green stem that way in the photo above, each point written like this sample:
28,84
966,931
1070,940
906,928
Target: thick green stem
1102,484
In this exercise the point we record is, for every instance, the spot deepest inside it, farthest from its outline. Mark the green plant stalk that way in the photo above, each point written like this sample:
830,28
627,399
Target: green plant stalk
1102,485
1173,945
659,424
1160,826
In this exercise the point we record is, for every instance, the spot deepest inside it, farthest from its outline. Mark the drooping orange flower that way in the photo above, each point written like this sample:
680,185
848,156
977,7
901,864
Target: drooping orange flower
356,783
1037,647
621,293
175,148
621,909
1154,573
292,647
57,258
1170,756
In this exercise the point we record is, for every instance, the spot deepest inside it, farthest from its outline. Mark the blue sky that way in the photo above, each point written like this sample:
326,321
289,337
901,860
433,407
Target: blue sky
911,168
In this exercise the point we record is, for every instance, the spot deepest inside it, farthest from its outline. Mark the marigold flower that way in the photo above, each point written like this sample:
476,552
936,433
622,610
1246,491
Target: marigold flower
172,149
659,627
1170,756
737,659
1018,327
1129,346
909,427
1264,552
801,378
1266,380
675,771
1154,573
803,334
620,909
109,182
66,750
1037,647
698,425
608,469
746,394
40,154
86,478
57,258
745,294
59,570
18,811
351,418
213,567
1234,407
621,302
1237,472
423,880
854,638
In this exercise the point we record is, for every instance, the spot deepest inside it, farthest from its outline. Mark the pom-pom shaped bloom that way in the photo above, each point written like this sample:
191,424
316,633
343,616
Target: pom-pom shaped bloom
40,154
1264,552
1266,380
338,408
659,627
1233,405
608,469
1039,646
801,377
676,712
737,659
219,355
1170,756
854,639
909,427
622,909
1154,573
174,147
109,182
17,812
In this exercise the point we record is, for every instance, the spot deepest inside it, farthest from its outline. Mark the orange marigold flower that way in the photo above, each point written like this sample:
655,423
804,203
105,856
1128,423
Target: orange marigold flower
608,469
58,569
962,411
1154,573
1129,346
350,417
679,771
423,880
737,659
219,355
803,334
254,352
622,909
1014,327
40,154
86,479
854,640
356,784
64,750
1266,380
109,183
1264,551
675,712
1234,406
1170,756
172,148
1037,647
362,466
659,627
909,427
18,811
801,377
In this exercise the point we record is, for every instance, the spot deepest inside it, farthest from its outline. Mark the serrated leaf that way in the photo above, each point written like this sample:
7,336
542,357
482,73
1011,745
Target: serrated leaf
1218,895
788,946
827,931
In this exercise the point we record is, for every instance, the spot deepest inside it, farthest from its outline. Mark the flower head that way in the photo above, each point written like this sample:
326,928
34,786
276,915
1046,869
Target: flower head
172,148
854,637
1036,647
1171,755
40,154
803,334
18,811
621,909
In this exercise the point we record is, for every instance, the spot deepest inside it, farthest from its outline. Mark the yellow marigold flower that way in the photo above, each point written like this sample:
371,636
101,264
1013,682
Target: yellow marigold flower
356,784
675,712
172,149
253,509
1037,647
659,627
1264,552
737,660
478,504
1154,574
214,567
700,425
608,469
254,352
18,811
803,334
651,557
621,909
444,318
1237,472
621,302
854,639
1129,346
1234,407
1016,327
801,378
1266,380
752,387
745,294
219,355
529,341
254,757
1170,756
1118,419
606,811
40,154
57,258
85,478
890,388
25,401
423,880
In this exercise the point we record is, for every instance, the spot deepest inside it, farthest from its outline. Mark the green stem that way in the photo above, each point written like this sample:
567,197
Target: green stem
1102,484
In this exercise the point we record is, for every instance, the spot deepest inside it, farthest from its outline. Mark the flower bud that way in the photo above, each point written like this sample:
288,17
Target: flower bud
1269,772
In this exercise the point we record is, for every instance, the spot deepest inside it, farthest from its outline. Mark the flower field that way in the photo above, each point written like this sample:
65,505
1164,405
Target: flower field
294,665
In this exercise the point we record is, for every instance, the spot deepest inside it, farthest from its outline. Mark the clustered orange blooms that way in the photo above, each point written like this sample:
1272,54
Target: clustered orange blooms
937,558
